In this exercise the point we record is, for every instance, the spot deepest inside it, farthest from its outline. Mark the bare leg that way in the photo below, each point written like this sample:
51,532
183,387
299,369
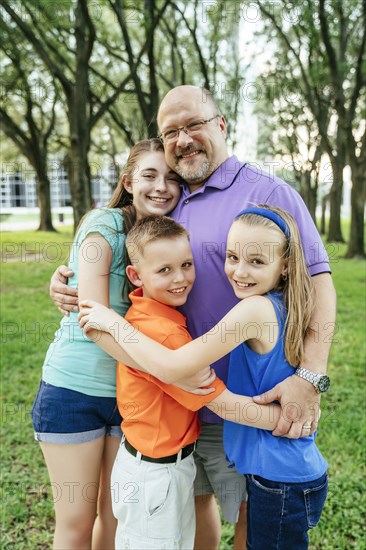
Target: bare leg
105,525
208,523
74,472
240,538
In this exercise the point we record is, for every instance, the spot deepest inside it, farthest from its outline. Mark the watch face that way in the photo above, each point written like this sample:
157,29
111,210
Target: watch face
323,383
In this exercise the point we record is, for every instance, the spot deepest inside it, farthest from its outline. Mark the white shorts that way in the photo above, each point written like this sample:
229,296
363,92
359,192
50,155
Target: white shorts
153,503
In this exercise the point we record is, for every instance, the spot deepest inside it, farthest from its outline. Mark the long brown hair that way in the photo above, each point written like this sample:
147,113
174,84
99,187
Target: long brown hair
121,198
296,287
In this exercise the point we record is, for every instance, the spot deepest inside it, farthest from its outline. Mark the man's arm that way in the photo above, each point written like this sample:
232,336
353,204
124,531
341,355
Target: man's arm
63,296
299,399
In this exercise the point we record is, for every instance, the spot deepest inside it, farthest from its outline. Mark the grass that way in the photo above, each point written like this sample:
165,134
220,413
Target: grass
28,323
14,217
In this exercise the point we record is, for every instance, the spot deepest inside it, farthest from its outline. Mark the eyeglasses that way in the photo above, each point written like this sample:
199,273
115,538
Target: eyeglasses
169,136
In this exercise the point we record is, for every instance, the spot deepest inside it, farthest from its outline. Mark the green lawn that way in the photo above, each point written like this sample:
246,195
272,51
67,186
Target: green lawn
28,323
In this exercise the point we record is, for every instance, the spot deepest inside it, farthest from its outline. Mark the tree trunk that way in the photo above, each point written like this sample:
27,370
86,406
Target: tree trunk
44,202
78,172
324,209
335,200
150,25
37,154
356,244
309,194
78,101
313,199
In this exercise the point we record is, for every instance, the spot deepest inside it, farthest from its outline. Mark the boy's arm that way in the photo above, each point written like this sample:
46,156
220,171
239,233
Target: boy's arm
226,404
242,410
240,324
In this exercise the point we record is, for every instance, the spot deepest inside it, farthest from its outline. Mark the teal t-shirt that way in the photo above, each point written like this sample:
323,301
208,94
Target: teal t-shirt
73,361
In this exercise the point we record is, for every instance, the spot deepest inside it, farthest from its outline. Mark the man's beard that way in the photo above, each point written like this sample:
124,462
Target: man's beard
192,174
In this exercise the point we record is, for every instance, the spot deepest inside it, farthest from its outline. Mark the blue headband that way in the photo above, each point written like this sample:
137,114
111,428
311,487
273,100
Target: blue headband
267,214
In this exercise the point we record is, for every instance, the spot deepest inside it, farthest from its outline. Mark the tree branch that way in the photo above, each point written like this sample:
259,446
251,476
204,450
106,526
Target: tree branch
52,66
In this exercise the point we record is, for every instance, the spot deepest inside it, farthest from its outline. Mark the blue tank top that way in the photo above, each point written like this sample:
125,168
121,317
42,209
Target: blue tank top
255,451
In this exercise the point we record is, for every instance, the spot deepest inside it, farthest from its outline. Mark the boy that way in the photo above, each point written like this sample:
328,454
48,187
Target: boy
153,476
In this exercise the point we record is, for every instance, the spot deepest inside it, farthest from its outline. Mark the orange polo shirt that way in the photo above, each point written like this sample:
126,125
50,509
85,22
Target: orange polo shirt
158,419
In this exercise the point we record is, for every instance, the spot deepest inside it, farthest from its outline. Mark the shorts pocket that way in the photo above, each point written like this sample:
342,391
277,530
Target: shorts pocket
314,501
127,495
157,485
267,485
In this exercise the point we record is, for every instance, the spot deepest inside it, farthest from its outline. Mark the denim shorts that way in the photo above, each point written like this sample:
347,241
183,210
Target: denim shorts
280,514
60,415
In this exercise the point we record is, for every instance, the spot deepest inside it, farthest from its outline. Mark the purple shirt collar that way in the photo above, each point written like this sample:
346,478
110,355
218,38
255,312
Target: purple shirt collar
221,178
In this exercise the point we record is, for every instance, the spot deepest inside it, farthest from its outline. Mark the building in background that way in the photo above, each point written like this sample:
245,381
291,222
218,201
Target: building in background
19,188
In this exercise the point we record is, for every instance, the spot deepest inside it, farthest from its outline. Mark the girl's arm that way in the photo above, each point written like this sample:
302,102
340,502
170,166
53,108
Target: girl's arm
252,318
197,384
93,282
93,275
228,405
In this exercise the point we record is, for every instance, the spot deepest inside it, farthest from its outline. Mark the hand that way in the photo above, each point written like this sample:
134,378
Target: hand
300,407
199,382
94,316
64,297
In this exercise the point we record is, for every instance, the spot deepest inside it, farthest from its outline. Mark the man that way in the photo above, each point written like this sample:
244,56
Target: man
217,188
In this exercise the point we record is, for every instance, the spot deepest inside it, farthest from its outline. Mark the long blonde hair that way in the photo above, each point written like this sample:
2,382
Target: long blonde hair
296,287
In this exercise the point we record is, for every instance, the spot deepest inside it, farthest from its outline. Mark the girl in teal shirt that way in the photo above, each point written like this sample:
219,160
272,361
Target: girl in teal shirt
75,414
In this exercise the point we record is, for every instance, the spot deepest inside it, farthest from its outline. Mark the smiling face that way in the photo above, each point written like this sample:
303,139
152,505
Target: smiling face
165,270
254,259
194,157
153,185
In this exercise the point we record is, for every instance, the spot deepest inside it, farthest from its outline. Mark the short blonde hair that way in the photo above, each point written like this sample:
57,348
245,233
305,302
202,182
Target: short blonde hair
148,230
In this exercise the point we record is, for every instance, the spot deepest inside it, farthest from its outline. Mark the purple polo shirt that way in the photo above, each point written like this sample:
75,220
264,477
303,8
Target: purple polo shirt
207,213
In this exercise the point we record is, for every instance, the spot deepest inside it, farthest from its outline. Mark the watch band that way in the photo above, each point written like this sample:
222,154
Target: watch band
320,382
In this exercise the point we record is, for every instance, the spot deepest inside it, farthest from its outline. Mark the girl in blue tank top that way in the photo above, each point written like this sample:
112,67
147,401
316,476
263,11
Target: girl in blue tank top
286,478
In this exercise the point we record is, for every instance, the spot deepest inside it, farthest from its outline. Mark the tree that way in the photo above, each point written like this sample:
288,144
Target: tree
63,37
112,61
27,116
323,44
290,132
174,43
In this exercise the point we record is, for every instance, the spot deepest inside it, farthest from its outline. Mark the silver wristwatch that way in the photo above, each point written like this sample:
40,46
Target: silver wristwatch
320,382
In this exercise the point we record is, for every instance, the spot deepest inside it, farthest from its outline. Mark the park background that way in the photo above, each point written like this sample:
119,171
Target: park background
80,82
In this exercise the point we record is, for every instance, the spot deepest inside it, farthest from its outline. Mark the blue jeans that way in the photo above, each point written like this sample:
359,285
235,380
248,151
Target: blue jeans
280,514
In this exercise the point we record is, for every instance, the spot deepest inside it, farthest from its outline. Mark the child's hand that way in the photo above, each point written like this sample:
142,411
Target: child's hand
199,382
94,316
